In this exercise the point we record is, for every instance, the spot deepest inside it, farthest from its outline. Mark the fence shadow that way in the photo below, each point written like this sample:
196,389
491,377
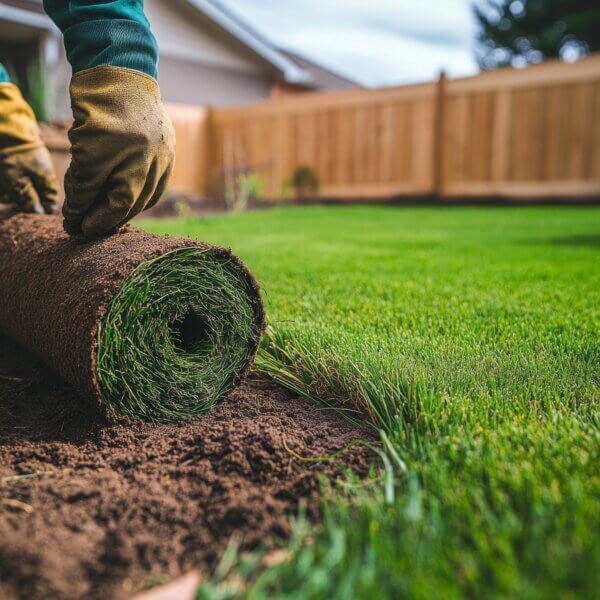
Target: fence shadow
583,241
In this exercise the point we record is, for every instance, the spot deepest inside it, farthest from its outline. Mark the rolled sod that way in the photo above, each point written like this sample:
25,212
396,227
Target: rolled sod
148,326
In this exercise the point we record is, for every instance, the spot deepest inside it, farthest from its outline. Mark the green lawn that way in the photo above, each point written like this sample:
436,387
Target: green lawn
470,338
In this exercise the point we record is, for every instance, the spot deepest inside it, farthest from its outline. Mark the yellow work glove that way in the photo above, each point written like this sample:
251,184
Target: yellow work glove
122,145
27,178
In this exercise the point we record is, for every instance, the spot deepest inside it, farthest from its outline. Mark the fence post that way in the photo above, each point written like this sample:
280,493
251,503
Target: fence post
210,158
438,137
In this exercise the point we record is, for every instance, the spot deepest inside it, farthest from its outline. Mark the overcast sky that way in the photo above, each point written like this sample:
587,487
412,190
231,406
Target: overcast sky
377,42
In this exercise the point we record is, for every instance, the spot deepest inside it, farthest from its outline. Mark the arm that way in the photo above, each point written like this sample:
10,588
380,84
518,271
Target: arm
27,178
122,140
105,33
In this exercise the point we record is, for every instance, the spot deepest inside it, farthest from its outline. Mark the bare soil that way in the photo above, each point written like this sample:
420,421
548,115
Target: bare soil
93,509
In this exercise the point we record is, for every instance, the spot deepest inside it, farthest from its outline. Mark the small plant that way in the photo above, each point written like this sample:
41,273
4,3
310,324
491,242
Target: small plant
182,208
305,182
243,188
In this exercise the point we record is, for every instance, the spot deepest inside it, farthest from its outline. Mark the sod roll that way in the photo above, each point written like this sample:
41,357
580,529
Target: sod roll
148,326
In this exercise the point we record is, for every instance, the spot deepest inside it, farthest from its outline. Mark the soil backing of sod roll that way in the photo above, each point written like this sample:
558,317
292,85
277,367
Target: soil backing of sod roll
153,326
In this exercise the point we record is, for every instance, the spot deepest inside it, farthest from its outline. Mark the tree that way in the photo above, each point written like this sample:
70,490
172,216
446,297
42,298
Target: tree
517,32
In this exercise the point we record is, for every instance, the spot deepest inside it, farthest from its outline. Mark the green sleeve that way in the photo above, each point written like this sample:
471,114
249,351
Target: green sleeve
105,33
4,77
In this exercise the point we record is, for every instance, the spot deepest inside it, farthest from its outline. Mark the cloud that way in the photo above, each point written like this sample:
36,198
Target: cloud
378,42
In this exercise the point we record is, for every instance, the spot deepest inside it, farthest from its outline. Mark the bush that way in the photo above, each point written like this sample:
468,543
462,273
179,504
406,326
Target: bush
305,182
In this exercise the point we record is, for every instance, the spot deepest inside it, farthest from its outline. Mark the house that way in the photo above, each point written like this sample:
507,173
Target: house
321,79
208,56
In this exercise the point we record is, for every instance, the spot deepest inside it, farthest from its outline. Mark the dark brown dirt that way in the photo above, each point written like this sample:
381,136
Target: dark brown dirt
54,289
115,507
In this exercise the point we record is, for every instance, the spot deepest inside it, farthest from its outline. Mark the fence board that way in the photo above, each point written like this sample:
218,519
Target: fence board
193,131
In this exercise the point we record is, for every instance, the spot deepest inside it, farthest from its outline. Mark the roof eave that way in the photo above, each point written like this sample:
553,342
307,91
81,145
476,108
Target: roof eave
26,17
290,72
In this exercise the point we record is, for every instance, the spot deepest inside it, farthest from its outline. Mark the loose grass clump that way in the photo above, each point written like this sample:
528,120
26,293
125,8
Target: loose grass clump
176,336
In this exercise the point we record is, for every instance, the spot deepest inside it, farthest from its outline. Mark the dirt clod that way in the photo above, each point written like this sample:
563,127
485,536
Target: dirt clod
115,507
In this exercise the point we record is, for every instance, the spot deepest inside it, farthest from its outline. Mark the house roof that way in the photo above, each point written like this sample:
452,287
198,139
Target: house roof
294,68
27,13
322,77
244,33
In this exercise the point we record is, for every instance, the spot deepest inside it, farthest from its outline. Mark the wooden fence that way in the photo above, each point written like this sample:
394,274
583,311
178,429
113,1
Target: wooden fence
520,133
365,143
523,133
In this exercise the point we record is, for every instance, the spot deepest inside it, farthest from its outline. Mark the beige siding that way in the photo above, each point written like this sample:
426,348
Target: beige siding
188,82
200,65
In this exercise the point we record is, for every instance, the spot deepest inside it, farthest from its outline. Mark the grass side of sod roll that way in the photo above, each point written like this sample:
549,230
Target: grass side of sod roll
175,336
470,338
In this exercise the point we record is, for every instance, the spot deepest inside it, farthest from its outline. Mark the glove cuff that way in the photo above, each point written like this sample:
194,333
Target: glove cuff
106,81
19,130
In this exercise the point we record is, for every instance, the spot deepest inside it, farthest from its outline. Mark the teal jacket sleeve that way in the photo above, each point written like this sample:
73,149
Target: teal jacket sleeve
4,77
105,33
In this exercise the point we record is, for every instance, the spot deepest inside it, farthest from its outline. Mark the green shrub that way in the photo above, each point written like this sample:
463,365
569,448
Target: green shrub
305,182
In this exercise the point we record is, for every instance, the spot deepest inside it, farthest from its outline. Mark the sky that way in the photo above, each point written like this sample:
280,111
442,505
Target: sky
376,42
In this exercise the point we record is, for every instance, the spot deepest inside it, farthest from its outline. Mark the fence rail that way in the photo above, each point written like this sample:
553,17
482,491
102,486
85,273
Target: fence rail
521,133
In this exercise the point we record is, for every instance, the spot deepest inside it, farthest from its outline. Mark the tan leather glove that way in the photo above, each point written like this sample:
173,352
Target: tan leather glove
122,150
27,178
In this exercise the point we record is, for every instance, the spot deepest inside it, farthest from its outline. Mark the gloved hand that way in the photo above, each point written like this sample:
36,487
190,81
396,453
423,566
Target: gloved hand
27,177
122,150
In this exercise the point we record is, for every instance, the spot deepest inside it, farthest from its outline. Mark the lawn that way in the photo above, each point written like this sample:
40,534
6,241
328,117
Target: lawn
468,338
